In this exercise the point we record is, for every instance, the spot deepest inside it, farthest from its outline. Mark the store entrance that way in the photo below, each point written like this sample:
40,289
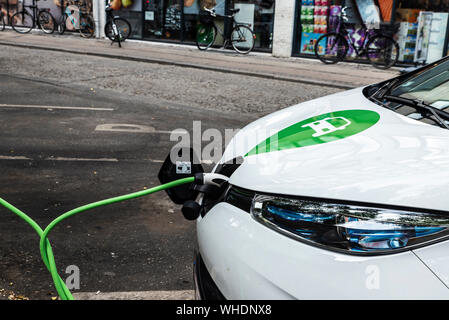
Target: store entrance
163,19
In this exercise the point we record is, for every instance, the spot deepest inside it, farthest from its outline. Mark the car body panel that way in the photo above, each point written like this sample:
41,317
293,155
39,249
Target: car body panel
398,161
249,261
436,258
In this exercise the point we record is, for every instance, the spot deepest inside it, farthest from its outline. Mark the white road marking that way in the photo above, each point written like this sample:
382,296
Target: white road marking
14,158
136,295
81,159
135,128
21,158
154,160
124,127
53,107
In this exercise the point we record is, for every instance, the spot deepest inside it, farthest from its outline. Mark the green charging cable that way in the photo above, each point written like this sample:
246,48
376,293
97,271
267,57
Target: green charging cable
45,247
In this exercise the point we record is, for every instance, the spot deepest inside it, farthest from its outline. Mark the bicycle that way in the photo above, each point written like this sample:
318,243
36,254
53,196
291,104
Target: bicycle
23,21
242,37
116,29
381,50
84,23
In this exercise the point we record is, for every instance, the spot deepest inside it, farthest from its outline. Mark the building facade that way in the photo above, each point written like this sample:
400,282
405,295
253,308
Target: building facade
283,28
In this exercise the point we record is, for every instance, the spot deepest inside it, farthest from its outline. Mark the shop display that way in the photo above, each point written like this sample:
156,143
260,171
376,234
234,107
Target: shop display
406,39
356,32
334,16
423,36
314,22
173,18
437,35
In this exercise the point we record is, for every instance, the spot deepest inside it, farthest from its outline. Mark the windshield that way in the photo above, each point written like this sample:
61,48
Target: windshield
431,86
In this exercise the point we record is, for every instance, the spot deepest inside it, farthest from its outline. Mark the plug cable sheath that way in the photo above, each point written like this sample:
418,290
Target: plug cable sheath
44,244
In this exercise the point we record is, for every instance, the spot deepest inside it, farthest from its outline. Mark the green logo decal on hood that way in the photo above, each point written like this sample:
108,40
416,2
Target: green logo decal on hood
324,128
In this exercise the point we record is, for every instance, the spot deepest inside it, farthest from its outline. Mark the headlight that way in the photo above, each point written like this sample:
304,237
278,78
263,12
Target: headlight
350,228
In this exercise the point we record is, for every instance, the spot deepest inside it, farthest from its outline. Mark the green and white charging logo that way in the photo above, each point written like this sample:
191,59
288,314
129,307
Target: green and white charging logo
324,128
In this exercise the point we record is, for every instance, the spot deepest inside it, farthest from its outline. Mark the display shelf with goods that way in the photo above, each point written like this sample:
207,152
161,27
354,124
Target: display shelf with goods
422,35
406,39
314,23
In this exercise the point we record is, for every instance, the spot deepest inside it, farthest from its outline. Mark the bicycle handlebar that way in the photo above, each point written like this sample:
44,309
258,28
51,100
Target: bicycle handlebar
211,11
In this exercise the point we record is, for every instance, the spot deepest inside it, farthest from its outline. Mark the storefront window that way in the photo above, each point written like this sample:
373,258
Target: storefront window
260,14
422,31
131,10
316,18
177,20
10,7
163,19
419,26
191,11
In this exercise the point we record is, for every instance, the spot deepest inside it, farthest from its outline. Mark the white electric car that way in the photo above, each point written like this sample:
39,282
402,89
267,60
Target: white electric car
341,197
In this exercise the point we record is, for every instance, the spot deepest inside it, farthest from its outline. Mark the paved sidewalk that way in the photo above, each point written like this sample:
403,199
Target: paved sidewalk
342,75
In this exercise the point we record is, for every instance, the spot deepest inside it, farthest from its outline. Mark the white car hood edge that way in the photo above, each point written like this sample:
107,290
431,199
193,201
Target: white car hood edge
398,161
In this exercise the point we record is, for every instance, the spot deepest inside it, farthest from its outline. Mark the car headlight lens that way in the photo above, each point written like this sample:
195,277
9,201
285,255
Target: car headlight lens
350,228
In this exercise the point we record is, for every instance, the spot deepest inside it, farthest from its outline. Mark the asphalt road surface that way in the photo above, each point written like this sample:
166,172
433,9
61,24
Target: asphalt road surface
55,157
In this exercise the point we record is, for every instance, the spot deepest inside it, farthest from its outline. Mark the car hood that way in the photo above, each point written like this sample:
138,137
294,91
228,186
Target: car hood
375,156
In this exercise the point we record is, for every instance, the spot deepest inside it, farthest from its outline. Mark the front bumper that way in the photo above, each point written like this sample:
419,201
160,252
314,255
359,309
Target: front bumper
205,287
247,260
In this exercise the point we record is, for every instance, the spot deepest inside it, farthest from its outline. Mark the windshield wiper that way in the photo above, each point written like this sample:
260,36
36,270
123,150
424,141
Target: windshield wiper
424,109
385,89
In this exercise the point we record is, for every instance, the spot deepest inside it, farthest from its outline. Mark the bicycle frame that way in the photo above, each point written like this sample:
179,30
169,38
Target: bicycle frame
111,17
34,12
227,37
341,29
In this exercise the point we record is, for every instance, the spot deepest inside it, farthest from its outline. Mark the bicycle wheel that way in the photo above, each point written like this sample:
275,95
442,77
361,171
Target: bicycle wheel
2,22
243,39
205,36
46,22
62,23
123,29
87,26
22,22
382,52
331,48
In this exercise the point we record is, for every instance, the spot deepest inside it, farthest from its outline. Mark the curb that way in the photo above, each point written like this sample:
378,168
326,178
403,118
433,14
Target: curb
186,65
